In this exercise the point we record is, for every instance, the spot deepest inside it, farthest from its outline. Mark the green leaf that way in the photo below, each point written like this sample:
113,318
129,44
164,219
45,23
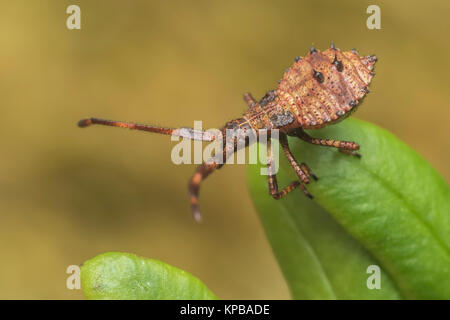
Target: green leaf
116,275
389,209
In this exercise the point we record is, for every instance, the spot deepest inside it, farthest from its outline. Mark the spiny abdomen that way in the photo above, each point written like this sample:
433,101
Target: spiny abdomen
324,87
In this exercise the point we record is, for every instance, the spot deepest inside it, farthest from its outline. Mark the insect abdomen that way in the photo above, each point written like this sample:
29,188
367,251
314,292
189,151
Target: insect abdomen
324,87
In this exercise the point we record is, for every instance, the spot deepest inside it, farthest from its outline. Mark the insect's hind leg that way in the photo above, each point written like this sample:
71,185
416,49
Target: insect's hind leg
347,147
272,179
188,133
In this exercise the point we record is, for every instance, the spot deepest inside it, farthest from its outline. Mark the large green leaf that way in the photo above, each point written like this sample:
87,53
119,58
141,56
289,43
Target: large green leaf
116,275
389,209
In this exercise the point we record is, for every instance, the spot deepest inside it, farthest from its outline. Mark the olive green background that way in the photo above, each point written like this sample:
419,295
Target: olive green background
69,194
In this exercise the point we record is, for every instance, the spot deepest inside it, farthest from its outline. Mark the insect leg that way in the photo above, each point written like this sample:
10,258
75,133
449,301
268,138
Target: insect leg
303,176
248,98
179,132
308,171
351,153
347,147
273,184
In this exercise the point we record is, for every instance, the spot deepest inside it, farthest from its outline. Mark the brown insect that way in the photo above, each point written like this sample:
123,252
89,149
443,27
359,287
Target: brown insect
319,89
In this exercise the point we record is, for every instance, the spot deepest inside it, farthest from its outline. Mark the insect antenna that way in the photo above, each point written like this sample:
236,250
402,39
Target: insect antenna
188,133
201,173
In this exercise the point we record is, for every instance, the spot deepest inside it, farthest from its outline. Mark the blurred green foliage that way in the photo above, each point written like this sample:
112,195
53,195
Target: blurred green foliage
390,209
125,276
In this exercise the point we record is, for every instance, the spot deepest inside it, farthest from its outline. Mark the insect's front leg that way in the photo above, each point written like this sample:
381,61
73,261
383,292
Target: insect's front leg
347,147
272,179
302,170
350,153
248,98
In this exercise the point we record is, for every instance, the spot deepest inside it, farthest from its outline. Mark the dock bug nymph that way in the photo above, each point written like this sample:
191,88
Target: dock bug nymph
317,90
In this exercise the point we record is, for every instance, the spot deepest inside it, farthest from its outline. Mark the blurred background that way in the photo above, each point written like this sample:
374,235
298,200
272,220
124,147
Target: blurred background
69,194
